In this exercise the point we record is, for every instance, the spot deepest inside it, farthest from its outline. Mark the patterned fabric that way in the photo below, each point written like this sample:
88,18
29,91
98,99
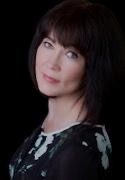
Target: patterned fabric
80,152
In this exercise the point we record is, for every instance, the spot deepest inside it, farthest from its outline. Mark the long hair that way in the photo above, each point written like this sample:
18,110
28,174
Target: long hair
95,32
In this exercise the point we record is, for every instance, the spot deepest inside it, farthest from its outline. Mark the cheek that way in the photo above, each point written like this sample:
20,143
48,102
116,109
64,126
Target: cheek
38,65
73,76
40,61
75,71
41,54
39,57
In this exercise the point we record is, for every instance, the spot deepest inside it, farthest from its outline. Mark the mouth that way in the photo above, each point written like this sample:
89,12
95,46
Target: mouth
50,79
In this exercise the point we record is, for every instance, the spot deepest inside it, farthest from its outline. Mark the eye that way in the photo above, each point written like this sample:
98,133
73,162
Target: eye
47,44
72,55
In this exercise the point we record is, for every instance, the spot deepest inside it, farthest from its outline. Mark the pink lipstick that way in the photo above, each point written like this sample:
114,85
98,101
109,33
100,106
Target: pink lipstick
50,79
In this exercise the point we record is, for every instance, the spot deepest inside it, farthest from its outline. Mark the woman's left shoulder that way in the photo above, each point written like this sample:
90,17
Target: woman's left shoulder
94,136
86,154
96,139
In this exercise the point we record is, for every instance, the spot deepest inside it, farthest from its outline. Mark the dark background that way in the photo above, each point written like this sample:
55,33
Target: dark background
21,103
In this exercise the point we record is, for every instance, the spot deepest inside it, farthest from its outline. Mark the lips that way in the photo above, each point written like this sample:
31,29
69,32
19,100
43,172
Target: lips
50,79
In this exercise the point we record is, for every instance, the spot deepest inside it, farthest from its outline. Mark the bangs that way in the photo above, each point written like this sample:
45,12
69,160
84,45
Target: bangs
67,31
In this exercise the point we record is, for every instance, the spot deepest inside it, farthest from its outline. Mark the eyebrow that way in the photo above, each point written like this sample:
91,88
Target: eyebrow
51,39
54,41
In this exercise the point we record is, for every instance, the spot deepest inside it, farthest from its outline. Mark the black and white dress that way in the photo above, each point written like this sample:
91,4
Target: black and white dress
78,152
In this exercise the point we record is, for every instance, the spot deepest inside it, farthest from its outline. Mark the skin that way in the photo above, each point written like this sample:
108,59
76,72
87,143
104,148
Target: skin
59,72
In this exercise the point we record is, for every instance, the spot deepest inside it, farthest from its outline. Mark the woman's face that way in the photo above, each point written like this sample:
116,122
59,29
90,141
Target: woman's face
59,70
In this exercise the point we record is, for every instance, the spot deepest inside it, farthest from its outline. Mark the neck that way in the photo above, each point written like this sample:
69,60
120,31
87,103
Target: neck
63,111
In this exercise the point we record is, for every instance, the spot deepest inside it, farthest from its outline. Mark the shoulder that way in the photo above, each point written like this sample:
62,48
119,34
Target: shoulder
21,151
88,144
85,155
94,136
95,140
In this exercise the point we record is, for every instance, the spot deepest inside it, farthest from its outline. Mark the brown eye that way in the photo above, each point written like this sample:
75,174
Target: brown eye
72,55
47,44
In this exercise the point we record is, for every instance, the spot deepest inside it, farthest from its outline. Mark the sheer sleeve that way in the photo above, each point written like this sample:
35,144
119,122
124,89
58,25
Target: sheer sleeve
77,163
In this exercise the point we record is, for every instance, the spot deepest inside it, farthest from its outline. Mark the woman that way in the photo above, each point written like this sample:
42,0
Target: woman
72,63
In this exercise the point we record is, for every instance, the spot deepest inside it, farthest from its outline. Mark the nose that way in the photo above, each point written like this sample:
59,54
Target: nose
54,62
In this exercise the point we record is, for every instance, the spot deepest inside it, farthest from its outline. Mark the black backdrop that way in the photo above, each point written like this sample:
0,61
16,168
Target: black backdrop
21,103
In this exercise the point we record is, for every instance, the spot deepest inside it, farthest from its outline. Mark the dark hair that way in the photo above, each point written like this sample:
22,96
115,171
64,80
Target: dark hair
94,31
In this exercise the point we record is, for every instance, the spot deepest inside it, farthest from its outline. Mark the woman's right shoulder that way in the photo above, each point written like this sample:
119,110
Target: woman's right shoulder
19,154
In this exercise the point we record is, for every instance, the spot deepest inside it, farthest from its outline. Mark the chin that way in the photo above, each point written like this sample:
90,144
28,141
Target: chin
47,93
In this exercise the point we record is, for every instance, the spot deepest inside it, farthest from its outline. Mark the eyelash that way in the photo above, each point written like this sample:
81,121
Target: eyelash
47,44
73,56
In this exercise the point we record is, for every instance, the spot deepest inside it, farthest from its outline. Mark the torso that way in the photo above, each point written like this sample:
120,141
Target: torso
33,159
